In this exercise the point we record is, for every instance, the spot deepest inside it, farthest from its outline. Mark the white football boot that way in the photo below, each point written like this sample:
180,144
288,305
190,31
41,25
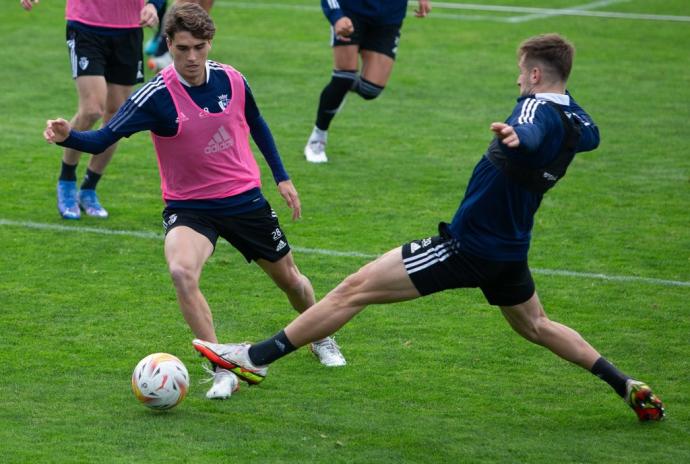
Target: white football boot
225,383
233,357
315,150
328,352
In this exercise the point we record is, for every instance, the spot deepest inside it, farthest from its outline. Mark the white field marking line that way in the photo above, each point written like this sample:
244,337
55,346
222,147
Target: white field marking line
321,251
557,11
478,7
588,6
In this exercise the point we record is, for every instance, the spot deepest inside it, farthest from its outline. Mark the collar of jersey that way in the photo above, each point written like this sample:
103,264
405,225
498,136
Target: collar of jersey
558,98
184,82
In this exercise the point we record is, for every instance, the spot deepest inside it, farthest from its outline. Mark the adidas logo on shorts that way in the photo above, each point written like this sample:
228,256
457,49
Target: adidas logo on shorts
282,244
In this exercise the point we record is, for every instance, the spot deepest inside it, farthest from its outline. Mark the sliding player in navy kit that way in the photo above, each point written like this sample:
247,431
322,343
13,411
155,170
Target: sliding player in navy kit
487,242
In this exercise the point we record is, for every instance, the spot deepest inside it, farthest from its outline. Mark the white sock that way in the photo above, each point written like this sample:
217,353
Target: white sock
318,134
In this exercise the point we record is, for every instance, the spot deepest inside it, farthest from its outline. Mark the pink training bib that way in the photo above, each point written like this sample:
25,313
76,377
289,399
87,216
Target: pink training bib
105,13
210,156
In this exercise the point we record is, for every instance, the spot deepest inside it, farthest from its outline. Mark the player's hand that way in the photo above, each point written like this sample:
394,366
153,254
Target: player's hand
148,16
57,130
27,4
423,9
506,134
289,193
344,29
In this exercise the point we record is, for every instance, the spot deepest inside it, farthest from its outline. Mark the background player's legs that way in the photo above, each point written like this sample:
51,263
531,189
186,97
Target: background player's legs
186,252
116,97
88,199
92,92
346,64
376,70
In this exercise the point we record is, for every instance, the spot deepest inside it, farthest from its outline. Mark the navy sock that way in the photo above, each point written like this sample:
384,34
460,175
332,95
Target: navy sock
271,349
332,97
609,374
68,172
90,180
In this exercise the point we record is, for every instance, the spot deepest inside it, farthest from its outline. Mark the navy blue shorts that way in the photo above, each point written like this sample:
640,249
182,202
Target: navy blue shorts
370,35
436,263
118,58
256,234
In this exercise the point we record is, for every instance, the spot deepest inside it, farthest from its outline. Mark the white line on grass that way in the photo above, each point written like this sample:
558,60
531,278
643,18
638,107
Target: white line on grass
545,12
588,6
321,251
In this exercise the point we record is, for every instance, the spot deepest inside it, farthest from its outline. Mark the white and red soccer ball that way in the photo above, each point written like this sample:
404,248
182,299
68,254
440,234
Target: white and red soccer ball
160,381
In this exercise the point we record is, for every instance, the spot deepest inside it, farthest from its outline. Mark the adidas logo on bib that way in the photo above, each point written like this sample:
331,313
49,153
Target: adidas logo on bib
221,141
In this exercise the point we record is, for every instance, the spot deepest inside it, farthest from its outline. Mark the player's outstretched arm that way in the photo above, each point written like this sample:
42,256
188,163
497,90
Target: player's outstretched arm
57,130
289,194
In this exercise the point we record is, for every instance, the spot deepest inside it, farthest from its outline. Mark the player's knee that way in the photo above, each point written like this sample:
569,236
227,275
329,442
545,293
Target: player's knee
183,277
367,90
89,115
534,329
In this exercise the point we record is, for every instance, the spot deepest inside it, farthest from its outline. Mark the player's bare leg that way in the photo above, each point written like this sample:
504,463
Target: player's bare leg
300,293
186,252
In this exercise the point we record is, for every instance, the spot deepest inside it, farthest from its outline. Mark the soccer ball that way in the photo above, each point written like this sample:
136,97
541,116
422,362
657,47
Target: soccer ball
160,381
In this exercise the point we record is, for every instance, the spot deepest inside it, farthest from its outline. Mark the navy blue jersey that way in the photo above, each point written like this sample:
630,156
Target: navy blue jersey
151,108
379,11
495,218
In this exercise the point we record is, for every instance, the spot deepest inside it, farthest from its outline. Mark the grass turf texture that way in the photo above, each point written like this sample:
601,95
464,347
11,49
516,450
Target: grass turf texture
441,379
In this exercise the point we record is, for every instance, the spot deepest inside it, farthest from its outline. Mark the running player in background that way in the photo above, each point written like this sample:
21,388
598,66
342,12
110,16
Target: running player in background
104,40
200,114
370,29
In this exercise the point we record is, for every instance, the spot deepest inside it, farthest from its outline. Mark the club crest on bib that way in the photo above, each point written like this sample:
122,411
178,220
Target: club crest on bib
223,101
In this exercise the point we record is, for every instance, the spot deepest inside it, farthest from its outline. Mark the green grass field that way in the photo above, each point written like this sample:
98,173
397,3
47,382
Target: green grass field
438,380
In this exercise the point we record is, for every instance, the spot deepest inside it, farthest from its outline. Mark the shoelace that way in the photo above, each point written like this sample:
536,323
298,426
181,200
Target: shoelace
330,345
212,374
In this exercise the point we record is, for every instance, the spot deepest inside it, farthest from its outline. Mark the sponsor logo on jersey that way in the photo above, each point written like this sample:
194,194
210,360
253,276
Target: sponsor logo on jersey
83,63
220,141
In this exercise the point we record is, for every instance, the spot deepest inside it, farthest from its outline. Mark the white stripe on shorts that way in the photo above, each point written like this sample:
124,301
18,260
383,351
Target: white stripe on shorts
434,255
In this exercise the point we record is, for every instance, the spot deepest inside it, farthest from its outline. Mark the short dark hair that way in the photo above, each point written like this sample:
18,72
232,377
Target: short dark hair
551,51
189,17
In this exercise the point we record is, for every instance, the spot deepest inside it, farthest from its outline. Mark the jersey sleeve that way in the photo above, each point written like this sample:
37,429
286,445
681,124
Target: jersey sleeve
141,112
262,136
532,121
331,9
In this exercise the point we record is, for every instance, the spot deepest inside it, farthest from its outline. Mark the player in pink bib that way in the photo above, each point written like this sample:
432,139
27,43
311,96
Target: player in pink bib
196,110
104,40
